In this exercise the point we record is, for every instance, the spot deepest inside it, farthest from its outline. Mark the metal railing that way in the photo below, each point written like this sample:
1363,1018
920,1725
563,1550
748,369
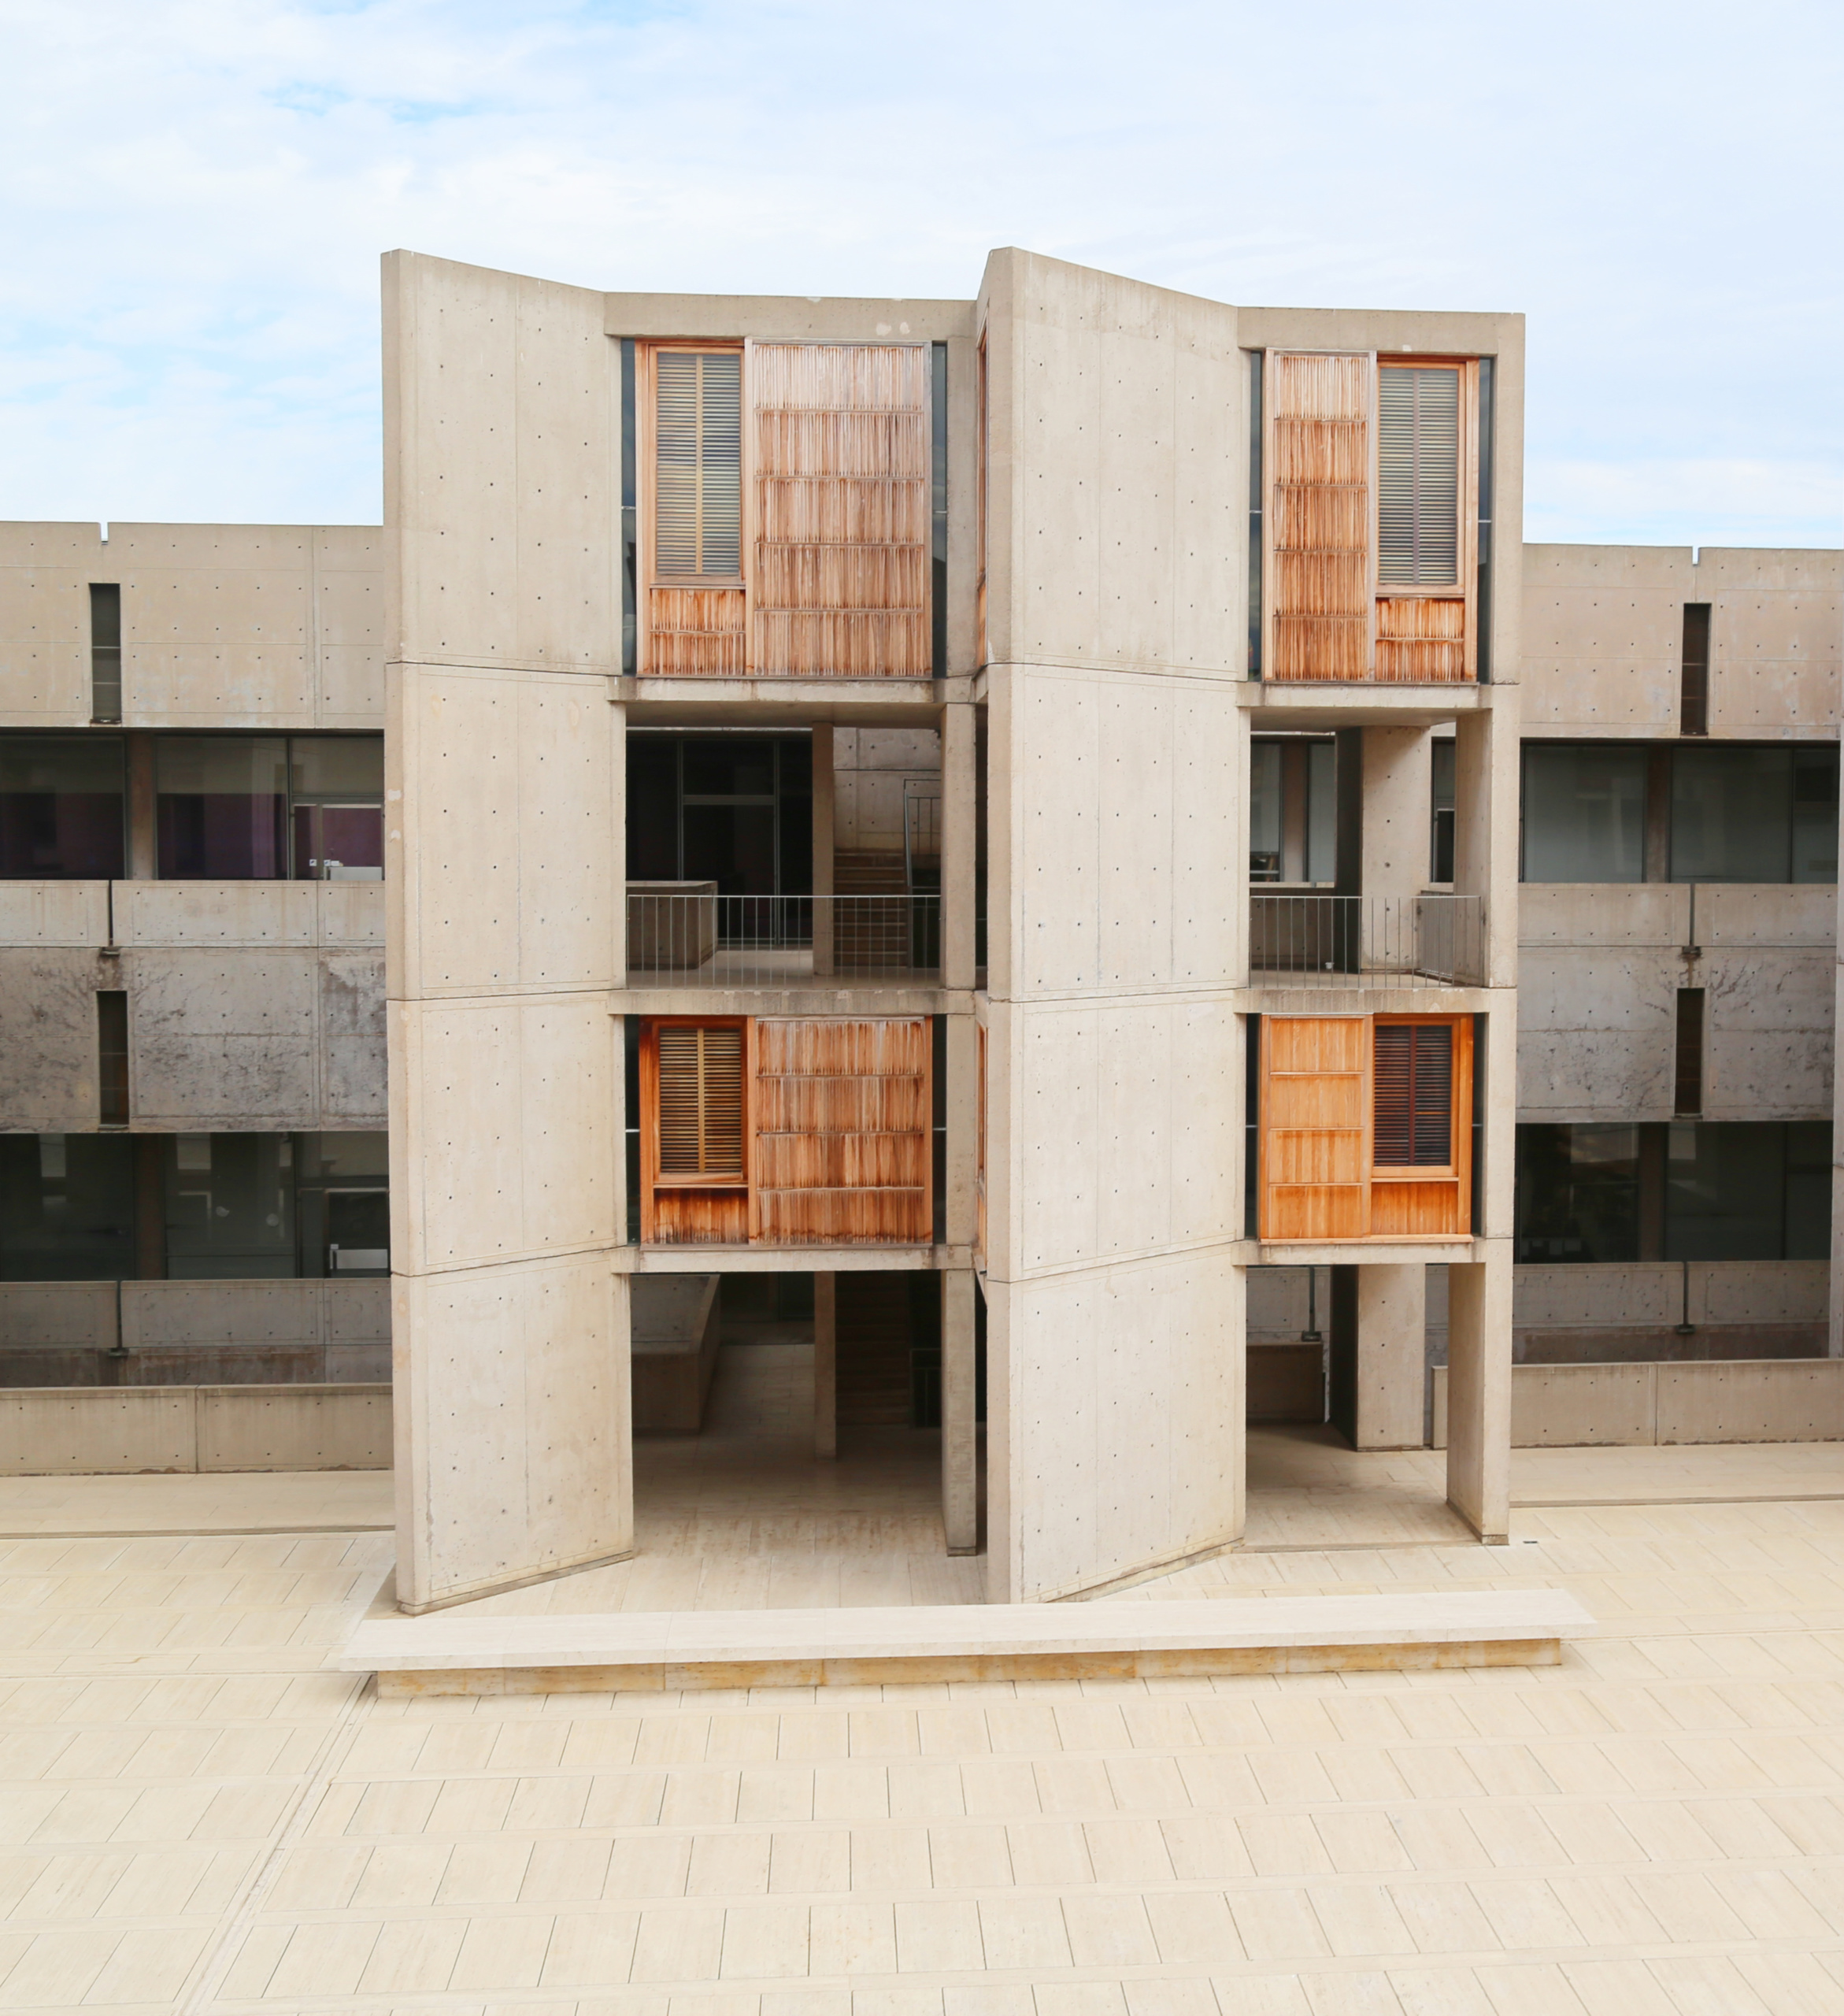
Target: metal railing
1359,941
771,941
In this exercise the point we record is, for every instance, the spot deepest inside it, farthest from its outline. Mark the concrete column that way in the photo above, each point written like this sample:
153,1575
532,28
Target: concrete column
825,1365
963,1129
143,863
1478,1392
822,846
1399,799
1392,1331
957,814
1485,824
960,1504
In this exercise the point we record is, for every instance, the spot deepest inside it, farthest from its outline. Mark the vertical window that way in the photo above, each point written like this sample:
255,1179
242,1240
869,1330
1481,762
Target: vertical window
336,807
105,651
61,807
700,1101
1584,813
1694,697
1689,1051
697,446
112,1047
1413,1096
938,505
1578,1193
1264,803
1441,811
1255,521
1482,591
1418,476
630,517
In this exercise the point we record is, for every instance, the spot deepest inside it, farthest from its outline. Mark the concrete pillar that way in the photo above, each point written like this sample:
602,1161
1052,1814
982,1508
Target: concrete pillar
823,847
963,1130
1479,1390
960,1505
149,1209
957,823
1392,1330
1398,798
825,1365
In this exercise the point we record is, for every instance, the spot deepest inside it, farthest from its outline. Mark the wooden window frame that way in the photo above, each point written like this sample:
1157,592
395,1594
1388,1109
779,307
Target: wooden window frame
646,418
652,1180
1457,1171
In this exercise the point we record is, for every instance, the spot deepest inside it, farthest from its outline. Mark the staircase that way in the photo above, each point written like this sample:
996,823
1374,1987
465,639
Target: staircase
876,1328
870,936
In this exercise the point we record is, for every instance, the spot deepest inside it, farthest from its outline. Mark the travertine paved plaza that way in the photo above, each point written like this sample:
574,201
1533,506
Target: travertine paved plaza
197,1816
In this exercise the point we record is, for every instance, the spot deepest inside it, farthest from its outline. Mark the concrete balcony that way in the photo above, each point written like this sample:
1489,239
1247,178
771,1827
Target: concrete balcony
1346,944
699,939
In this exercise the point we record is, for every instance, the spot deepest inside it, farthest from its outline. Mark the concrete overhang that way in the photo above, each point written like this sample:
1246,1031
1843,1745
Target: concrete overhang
1369,1253
1321,704
706,703
790,1259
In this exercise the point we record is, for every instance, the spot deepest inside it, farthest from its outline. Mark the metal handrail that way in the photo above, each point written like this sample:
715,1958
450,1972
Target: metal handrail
1415,941
706,940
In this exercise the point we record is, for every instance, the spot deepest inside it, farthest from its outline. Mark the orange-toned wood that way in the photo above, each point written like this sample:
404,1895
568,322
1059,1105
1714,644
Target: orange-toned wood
1431,637
679,1210
840,581
1315,1127
686,628
1430,1202
842,1117
1320,455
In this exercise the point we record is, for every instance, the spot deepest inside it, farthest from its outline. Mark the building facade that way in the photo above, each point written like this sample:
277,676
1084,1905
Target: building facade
1067,827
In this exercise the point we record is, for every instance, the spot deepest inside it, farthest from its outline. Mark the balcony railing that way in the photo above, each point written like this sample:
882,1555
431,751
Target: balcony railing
1344,942
711,941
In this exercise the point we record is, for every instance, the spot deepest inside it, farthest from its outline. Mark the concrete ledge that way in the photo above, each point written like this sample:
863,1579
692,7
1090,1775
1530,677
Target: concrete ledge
90,1431
1638,1406
665,1651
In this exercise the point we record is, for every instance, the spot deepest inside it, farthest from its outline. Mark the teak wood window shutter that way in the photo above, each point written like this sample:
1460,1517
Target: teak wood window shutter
691,398
694,1128
1366,1127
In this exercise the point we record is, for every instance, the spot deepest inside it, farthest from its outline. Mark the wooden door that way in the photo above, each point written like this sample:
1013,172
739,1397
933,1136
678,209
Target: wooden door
1314,1124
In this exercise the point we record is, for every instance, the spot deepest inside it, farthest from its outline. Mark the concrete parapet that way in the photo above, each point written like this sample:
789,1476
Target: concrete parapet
89,1430
1639,1405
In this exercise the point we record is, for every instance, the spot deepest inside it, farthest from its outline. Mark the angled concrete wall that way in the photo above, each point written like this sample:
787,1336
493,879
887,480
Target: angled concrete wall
503,836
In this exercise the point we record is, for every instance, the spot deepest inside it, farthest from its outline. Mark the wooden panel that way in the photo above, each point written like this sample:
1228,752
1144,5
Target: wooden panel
694,1120
690,627
697,633
699,1218
1417,1210
1421,639
840,582
1319,541
843,1112
1315,1126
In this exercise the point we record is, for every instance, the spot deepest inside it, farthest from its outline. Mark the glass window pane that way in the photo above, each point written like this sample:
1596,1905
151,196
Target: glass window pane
1808,1190
737,766
1322,811
1731,814
1264,812
1584,813
1578,1193
67,1207
337,766
230,1207
341,1157
221,807
1815,815
1724,1190
61,807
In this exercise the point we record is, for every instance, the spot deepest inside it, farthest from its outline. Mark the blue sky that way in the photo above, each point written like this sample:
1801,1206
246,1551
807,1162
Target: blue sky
195,193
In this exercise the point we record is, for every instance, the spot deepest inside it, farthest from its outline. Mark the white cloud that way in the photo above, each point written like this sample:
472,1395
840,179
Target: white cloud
194,194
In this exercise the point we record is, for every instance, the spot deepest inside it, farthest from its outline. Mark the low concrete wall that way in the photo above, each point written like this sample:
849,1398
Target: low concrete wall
88,1431
180,1333
1745,1400
1601,1312
677,1327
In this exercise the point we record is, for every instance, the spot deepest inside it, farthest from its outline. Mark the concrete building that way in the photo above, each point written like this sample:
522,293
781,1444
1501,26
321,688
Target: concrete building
1016,834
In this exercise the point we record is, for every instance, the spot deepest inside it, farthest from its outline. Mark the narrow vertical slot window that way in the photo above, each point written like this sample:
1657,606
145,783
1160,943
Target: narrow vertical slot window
1694,694
1689,1051
700,1102
938,505
982,482
1418,476
1256,360
111,1049
1483,599
105,651
1441,811
1413,1125
630,516
697,492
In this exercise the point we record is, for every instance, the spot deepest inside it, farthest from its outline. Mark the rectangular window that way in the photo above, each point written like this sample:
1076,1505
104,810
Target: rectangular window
342,1203
697,450
336,807
700,1102
1412,1096
1584,812
1264,812
1418,476
105,651
111,1049
62,807
1689,1051
1693,695
938,507
1747,1190
630,516
1292,816
230,1207
1256,482
1747,814
1578,1193
67,1207
1442,755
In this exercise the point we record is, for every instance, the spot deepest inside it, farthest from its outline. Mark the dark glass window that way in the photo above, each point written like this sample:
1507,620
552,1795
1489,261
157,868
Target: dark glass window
1442,754
230,1206
734,809
62,801
67,1207
1578,1193
236,808
1292,810
105,651
1584,812
342,1203
1745,814
1747,1190
336,807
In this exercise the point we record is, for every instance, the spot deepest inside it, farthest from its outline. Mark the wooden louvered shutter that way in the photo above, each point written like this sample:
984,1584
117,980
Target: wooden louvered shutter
698,442
1413,1126
1418,476
700,1102
841,579
1319,518
1315,1139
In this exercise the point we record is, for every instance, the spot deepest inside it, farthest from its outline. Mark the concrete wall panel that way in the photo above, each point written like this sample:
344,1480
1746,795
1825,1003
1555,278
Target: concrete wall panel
1651,1294
53,913
54,1431
229,1037
315,1428
48,1037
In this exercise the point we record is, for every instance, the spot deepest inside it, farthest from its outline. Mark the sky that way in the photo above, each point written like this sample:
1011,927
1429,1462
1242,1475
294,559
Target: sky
193,196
